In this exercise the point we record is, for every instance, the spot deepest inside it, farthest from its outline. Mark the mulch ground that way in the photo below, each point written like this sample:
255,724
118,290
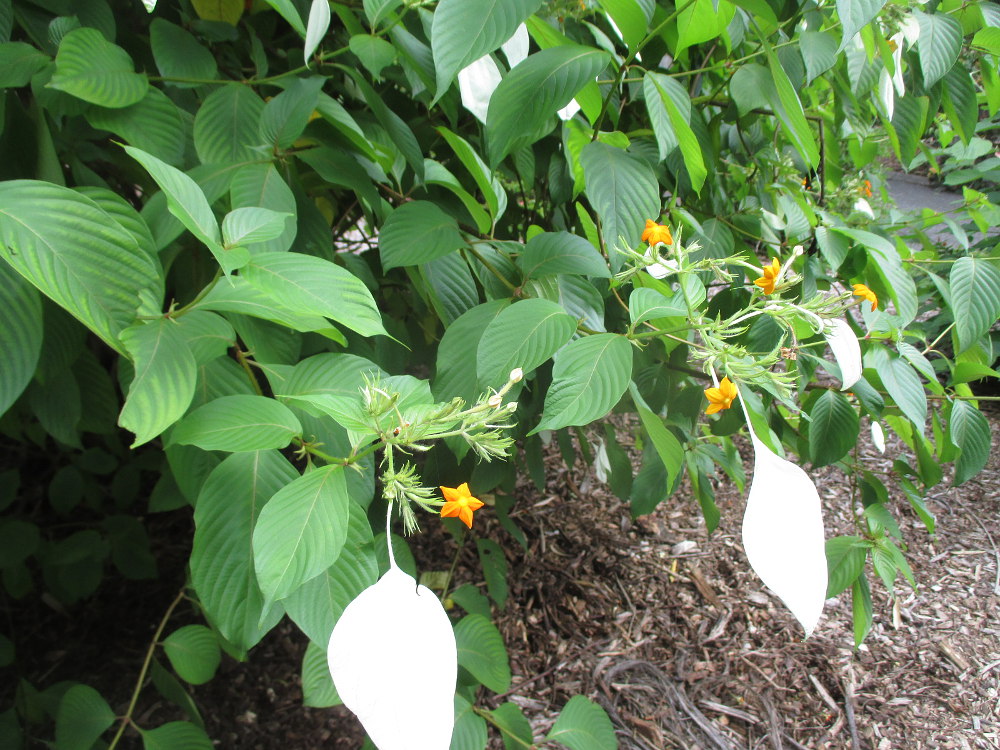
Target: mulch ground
665,626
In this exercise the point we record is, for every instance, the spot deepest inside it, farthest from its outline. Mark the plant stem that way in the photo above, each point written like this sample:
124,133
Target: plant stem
241,357
127,718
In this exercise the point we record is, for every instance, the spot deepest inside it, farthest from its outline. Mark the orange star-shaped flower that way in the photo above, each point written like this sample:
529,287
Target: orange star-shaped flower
860,290
770,277
654,233
460,503
866,189
722,397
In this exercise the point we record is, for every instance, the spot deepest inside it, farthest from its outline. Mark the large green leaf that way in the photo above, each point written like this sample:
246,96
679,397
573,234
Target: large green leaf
855,15
553,253
464,30
589,377
179,55
969,430
482,653
286,115
226,126
456,355
515,729
238,423
523,335
250,225
938,45
193,651
165,374
787,106
76,254
470,731
583,725
176,735
314,286
89,67
222,569
908,124
415,233
819,53
20,334
318,690
236,295
82,717
19,61
289,12
669,108
701,21
648,304
667,446
625,193
261,186
833,429
317,605
902,383
453,289
153,124
533,92
301,531
376,10
631,17
975,299
845,557
960,101
188,203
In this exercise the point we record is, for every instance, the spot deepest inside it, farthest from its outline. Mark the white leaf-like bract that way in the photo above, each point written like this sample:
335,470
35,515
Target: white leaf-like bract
567,112
319,22
846,350
477,81
783,533
878,437
150,5
602,465
886,93
394,661
516,48
863,206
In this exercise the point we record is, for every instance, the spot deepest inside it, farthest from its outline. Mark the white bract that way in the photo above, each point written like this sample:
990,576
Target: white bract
863,206
394,662
476,83
846,350
783,533
601,463
878,437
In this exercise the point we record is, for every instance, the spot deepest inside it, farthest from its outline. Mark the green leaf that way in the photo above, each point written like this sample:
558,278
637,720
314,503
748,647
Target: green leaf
624,192
179,55
238,423
631,17
176,735
318,603
153,124
988,39
226,126
482,653
588,379
222,569
960,101
470,728
489,186
301,531
583,725
833,430
415,233
494,563
314,286
82,718
523,335
456,354
164,381
969,430
669,108
471,600
975,299
318,690
861,606
236,295
648,304
188,203
89,67
884,260
788,108
553,253
453,288
701,21
194,653
288,11
908,123
260,185
855,15
286,115
462,31
75,253
376,10
901,382
667,446
533,92
374,53
845,556
222,11
938,45
18,63
250,225
20,335
515,729
819,53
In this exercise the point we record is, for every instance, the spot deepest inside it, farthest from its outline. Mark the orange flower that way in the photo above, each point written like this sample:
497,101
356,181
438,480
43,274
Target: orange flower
892,45
657,233
460,502
860,290
722,397
770,277
866,189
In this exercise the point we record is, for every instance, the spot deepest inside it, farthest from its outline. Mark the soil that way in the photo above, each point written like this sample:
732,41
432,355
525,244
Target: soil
662,624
